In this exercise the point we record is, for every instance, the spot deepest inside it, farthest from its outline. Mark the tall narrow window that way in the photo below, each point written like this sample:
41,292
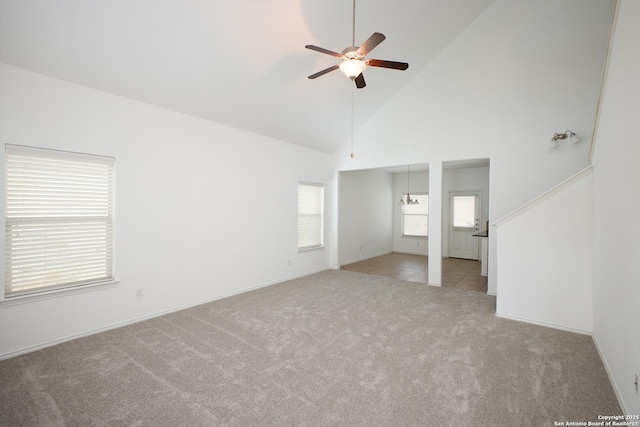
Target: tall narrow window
415,218
310,215
59,220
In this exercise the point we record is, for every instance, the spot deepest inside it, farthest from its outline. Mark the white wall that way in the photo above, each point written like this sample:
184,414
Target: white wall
366,215
202,210
520,72
463,179
419,182
617,209
545,260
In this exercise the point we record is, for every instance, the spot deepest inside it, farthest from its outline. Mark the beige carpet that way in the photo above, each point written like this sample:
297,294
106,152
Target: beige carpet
334,348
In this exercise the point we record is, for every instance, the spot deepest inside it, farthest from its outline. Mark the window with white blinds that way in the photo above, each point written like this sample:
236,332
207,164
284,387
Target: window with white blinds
415,218
310,215
59,219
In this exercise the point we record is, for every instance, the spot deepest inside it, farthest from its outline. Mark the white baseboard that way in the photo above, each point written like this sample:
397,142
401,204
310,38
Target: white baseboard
545,324
616,390
51,343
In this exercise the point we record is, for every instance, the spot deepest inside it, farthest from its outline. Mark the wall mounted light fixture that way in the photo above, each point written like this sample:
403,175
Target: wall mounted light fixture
557,137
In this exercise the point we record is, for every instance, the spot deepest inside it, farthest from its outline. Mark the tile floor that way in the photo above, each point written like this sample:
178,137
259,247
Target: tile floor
457,273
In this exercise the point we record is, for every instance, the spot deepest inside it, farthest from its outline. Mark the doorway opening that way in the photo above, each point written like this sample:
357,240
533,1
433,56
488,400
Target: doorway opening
465,217
465,209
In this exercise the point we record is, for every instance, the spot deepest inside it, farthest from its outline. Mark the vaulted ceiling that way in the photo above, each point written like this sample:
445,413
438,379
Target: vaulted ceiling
241,63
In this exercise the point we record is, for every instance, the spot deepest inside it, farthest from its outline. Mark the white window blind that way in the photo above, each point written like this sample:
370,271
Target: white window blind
464,211
415,218
59,219
310,215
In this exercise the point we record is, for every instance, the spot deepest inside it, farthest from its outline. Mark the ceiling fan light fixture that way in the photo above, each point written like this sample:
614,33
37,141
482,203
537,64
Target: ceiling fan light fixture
352,68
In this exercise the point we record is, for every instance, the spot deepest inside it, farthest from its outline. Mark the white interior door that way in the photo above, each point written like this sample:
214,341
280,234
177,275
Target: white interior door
463,224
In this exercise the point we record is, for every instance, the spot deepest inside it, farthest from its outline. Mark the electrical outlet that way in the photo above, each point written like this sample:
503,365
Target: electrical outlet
139,293
636,383
360,248
288,262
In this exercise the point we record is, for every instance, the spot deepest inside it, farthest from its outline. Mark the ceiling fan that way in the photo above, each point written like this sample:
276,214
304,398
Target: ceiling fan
353,57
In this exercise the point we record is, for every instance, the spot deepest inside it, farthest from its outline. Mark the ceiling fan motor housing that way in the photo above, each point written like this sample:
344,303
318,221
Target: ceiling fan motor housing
352,53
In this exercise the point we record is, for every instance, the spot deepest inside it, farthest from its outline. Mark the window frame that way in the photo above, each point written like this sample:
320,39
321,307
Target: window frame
17,215
318,214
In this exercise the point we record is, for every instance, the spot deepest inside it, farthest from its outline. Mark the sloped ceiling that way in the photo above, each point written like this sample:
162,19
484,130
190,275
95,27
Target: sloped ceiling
241,63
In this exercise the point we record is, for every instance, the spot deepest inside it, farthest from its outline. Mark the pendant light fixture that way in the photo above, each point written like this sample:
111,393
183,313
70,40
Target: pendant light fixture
409,200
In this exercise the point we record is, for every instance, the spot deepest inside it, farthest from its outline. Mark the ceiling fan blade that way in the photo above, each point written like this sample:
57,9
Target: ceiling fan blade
388,64
373,41
323,72
323,50
360,81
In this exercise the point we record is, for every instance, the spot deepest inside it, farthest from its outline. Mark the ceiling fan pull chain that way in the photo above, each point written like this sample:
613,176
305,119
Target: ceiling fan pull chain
353,92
